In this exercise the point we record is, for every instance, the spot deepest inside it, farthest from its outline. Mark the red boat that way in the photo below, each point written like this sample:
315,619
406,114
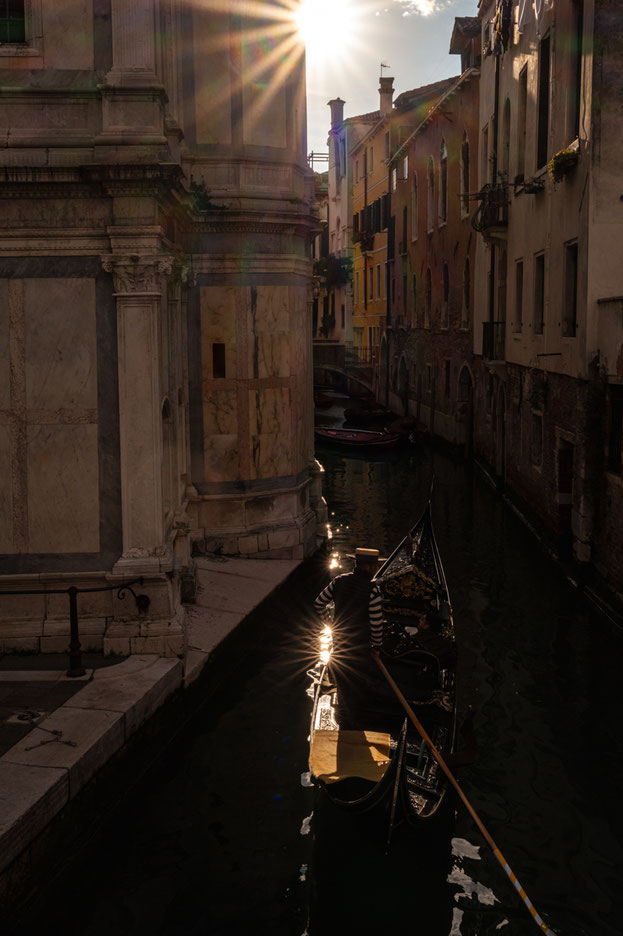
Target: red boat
359,438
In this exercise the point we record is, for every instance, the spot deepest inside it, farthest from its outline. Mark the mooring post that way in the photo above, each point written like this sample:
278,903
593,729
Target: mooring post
75,654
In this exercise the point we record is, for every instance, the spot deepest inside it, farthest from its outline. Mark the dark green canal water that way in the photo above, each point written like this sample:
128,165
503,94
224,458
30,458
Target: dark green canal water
222,836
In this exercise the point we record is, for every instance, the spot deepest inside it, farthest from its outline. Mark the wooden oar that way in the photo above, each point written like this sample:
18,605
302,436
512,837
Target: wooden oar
401,754
496,851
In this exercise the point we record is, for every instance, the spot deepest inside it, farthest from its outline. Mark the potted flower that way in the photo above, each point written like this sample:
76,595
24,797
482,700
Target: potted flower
561,163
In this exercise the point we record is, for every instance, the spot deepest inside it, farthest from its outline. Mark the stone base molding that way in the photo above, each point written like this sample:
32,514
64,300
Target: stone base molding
275,525
144,617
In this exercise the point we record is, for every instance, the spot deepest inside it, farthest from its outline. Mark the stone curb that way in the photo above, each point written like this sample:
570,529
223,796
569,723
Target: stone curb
50,765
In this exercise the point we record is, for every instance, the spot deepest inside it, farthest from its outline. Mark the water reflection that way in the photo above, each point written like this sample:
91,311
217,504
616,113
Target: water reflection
541,670
220,838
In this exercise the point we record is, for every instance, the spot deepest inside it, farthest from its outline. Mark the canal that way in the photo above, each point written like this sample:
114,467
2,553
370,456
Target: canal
223,836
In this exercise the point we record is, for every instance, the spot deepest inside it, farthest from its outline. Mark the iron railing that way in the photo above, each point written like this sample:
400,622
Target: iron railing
75,651
492,212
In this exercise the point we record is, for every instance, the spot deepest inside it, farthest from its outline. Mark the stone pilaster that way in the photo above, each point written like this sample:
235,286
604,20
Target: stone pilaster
133,97
133,44
138,283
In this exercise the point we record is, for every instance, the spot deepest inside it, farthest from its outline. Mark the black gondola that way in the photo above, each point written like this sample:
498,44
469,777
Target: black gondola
386,762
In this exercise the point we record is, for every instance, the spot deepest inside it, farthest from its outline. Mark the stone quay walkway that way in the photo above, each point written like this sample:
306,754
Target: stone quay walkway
57,732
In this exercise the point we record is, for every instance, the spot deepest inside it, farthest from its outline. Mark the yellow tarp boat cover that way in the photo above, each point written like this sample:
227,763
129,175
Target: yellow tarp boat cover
336,755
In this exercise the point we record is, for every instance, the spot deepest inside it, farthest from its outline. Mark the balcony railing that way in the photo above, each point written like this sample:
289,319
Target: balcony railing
492,212
494,341
357,357
366,241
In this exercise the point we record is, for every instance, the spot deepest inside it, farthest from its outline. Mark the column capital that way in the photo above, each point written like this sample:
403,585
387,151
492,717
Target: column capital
137,275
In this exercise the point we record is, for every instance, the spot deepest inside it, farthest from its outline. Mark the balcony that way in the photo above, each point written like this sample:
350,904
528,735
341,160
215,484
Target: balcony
494,341
366,241
491,216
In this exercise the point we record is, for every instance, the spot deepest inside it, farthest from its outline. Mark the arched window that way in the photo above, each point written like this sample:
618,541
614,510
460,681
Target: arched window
414,208
464,176
428,299
443,183
430,207
467,288
506,138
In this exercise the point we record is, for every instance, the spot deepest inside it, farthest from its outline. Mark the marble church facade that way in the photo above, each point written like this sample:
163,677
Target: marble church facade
155,337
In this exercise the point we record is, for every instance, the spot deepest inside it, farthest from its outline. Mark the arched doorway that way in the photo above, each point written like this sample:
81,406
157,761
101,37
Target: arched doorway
403,385
466,411
382,387
500,435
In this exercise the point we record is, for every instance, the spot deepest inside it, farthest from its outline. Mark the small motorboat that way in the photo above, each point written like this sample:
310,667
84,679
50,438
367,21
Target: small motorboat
323,400
358,438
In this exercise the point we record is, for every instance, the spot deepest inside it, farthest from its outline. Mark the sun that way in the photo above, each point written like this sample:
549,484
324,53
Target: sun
327,27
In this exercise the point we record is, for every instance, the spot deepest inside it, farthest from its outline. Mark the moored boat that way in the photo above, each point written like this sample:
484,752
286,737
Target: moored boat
358,438
386,761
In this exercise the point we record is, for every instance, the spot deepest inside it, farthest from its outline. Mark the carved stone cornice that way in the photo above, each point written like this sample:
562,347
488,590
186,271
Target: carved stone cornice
137,275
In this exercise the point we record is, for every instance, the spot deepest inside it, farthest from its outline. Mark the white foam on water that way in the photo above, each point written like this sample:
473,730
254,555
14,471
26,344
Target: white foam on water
303,872
461,848
306,780
503,923
471,888
457,919
306,825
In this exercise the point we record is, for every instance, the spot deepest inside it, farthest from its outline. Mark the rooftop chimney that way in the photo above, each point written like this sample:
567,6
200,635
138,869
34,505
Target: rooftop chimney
386,92
337,113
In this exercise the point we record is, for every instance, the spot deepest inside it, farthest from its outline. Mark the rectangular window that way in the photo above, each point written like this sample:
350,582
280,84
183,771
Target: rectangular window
575,86
539,293
484,161
521,123
378,281
387,146
12,21
518,296
394,178
371,283
615,436
343,315
384,212
536,440
356,170
543,103
385,275
405,168
570,309
414,208
218,360
370,159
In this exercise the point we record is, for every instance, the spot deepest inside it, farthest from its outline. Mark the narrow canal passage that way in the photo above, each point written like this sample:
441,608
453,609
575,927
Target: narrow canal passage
220,837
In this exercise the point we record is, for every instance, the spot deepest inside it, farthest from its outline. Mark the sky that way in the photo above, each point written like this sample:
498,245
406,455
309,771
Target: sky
347,40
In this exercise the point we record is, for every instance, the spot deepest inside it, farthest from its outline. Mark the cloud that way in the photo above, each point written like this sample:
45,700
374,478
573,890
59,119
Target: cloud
423,7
